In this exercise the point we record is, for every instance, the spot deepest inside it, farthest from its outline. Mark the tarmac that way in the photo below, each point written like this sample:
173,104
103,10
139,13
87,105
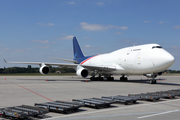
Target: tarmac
27,90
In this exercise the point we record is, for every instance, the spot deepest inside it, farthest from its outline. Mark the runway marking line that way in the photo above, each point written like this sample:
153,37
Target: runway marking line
158,114
98,111
30,90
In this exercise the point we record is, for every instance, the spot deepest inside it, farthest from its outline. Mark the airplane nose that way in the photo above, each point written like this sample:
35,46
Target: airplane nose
168,59
163,60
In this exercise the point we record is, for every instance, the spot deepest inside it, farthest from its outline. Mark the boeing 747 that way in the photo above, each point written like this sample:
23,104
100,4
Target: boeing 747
149,60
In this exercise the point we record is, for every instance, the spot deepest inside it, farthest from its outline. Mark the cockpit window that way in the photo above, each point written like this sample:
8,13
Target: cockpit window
156,47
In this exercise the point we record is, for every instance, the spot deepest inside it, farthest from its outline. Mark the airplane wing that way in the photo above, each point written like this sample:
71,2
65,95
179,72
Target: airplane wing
49,64
101,68
73,61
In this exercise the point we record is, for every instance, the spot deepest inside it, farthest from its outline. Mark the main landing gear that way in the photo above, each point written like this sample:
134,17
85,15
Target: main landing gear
123,78
152,81
101,78
96,78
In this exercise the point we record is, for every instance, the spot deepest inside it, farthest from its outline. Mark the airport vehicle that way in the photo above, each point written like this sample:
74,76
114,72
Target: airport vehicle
149,60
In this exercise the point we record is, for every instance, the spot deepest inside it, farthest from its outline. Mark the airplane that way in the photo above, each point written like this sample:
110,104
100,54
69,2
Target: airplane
148,60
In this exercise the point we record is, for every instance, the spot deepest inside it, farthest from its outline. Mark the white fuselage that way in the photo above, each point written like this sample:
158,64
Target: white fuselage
143,59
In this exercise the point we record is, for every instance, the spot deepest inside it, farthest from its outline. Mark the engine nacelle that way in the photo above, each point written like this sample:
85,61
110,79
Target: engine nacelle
82,72
160,73
44,70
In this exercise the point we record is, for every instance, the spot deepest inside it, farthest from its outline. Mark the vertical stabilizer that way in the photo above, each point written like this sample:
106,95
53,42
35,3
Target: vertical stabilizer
77,50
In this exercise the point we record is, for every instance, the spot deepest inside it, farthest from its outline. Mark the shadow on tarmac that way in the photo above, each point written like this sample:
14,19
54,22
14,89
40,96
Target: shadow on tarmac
143,81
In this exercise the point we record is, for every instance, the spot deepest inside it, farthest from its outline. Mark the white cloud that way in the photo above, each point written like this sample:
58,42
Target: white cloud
71,2
86,38
91,27
162,22
44,47
97,27
119,33
147,21
40,41
5,48
87,46
49,24
175,47
100,3
177,26
69,37
124,28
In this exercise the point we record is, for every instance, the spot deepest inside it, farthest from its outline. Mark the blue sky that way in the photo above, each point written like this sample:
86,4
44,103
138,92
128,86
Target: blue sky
35,30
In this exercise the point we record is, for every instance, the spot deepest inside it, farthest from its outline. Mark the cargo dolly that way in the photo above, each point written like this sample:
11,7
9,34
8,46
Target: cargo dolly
162,94
176,92
94,102
59,106
121,99
22,112
144,96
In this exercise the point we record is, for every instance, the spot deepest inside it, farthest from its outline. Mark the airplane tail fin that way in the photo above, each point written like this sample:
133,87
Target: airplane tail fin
77,50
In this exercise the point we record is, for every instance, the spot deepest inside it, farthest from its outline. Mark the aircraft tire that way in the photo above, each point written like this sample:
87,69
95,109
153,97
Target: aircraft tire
92,78
123,78
152,81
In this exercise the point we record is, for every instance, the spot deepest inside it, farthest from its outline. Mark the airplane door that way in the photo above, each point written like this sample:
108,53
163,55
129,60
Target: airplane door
138,58
129,61
129,51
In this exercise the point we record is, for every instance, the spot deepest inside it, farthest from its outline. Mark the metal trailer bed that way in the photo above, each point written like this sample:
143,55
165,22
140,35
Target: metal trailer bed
121,99
143,96
176,92
22,112
162,94
59,106
94,102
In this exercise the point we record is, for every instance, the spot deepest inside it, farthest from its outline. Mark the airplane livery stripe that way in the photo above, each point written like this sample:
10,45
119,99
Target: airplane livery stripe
87,59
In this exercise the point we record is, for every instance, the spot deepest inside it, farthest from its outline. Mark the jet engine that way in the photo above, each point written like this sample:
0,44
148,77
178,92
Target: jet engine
44,69
82,72
160,73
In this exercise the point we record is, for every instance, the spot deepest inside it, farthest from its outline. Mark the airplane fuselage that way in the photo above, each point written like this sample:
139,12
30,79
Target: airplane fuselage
142,59
149,60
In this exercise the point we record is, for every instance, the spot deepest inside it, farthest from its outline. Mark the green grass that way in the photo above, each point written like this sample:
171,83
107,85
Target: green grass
37,74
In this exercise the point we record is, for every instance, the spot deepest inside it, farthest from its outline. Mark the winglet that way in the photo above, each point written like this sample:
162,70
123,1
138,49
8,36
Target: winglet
4,60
